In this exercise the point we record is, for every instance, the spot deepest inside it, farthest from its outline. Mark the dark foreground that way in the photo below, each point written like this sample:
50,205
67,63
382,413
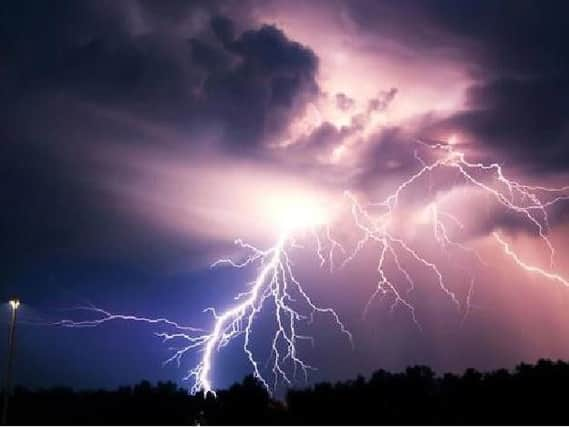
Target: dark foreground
531,394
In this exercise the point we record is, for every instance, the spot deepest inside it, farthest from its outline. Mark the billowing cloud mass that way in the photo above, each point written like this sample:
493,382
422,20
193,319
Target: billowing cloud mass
516,57
133,76
153,133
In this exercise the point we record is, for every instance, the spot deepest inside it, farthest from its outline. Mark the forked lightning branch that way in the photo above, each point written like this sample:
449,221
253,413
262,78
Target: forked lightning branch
277,289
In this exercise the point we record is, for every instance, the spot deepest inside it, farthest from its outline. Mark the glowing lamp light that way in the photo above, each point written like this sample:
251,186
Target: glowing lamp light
14,303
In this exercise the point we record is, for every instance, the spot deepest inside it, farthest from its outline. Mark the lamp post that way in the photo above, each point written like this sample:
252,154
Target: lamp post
14,304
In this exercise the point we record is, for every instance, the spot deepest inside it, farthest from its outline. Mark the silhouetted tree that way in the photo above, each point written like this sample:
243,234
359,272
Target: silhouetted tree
531,394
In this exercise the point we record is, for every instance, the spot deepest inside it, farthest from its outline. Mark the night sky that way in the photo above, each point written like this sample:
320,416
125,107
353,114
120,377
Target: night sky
140,138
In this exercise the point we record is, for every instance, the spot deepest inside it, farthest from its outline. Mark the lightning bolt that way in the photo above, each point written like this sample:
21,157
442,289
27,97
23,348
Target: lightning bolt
275,282
528,267
107,316
523,200
275,286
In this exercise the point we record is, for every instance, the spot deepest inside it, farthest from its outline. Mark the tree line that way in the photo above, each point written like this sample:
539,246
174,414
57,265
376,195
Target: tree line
529,394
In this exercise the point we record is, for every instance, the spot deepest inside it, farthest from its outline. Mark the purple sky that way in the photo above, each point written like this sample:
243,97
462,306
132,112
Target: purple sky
140,138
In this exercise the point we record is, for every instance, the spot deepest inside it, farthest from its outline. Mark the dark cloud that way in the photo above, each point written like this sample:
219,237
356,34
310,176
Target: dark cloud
388,154
526,119
519,106
516,52
271,79
113,55
224,29
509,37
81,76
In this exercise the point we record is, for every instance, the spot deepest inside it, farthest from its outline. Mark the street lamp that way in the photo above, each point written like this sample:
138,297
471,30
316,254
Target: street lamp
14,304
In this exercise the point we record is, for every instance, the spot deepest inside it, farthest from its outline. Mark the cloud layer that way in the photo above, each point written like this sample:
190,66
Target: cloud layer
148,133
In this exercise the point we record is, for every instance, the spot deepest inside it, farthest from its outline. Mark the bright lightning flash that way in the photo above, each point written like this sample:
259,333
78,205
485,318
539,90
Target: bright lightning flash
298,213
275,286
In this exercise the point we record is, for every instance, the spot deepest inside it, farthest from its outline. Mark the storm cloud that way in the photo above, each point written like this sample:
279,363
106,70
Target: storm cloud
139,134
82,77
